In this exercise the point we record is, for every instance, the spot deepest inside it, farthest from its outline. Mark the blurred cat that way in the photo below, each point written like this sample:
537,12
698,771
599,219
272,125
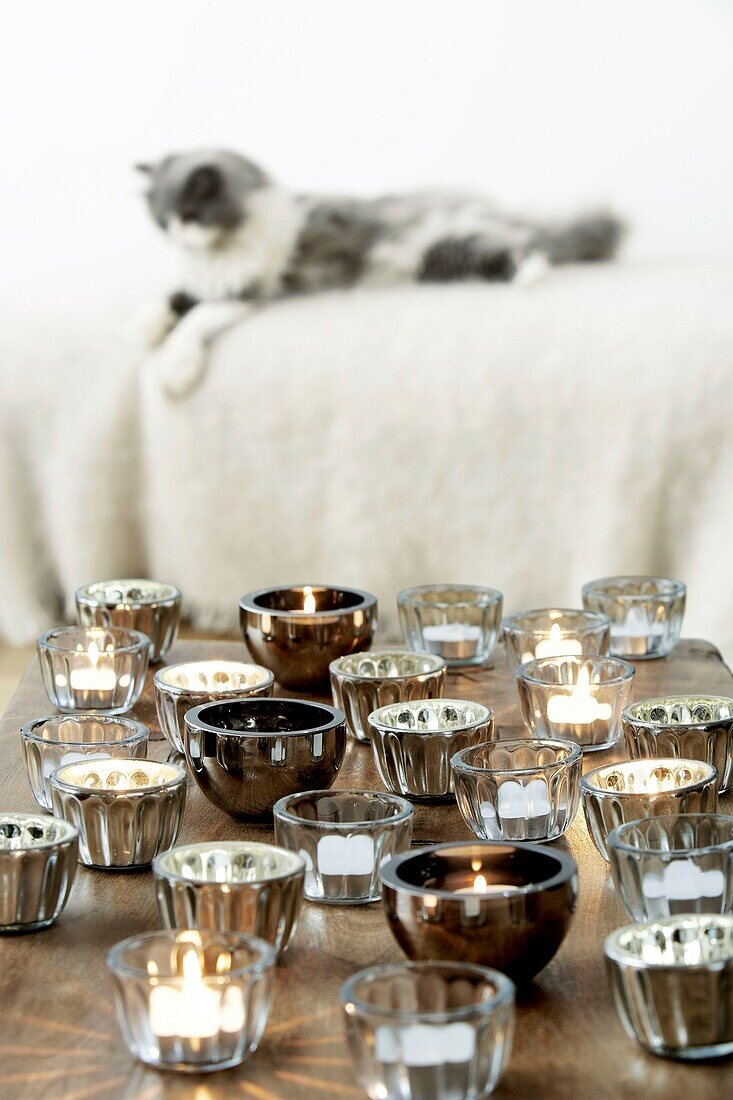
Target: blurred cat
245,240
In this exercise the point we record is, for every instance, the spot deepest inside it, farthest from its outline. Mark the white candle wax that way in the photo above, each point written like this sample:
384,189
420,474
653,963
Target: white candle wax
684,880
459,640
580,708
637,635
556,645
346,855
425,1044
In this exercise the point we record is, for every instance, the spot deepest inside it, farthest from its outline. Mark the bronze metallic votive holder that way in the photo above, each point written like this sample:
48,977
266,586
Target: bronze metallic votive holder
697,727
297,631
38,858
364,682
151,607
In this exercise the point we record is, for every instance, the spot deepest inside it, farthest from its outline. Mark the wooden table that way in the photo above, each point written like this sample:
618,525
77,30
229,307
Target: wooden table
59,1035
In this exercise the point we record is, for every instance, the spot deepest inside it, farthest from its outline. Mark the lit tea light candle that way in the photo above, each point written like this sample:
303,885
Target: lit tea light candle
309,600
425,1045
475,891
682,881
580,708
458,641
556,646
637,636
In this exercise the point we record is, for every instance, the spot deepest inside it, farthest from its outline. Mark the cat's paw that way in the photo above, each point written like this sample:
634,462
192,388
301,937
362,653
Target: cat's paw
180,366
150,327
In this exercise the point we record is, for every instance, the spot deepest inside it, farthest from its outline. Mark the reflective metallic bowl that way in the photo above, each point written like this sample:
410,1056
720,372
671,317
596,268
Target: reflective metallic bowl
364,682
696,727
245,754
501,905
297,631
38,857
151,607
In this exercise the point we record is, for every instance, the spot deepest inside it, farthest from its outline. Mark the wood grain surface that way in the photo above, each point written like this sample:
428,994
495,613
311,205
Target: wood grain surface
58,1033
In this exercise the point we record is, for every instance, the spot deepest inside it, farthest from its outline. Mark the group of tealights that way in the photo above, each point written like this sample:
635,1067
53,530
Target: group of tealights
197,995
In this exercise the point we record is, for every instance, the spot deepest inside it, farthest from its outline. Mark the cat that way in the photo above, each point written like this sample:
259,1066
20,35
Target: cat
246,240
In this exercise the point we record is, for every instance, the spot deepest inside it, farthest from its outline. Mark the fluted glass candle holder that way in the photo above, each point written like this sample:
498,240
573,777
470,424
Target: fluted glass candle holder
554,632
577,699
459,622
518,790
37,869
344,837
420,1031
150,607
364,682
645,613
93,669
698,727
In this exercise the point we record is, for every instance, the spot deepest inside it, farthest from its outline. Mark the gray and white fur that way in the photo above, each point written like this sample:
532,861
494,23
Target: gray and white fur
246,240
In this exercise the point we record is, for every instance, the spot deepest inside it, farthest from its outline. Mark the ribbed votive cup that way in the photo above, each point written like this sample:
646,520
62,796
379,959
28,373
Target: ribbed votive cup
366,681
518,790
413,743
152,607
579,699
631,789
428,1030
93,669
344,836
698,727
672,981
682,863
459,622
38,859
231,886
645,613
554,632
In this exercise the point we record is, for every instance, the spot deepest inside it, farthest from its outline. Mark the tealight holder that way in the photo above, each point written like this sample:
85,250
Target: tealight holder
645,613
698,727
503,905
151,607
459,622
430,1029
518,790
298,631
344,837
192,1001
364,682
681,863
38,857
231,886
179,688
672,982
49,743
126,810
554,632
101,670
578,699
412,743
245,754
627,791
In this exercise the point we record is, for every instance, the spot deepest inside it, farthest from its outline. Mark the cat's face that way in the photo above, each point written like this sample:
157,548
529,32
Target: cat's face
200,198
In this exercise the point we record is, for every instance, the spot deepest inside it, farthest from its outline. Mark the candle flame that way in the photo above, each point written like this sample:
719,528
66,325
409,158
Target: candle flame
93,654
582,687
480,885
555,632
309,600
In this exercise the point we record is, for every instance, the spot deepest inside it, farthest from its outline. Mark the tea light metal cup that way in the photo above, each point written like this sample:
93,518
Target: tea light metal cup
672,982
92,669
518,790
428,1029
297,631
645,613
412,743
364,682
126,810
231,886
38,859
627,791
554,632
698,727
506,906
459,622
179,688
344,837
151,607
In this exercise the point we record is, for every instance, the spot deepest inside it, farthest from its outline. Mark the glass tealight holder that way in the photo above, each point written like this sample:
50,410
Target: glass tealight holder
150,607
419,1031
518,790
192,1001
101,670
699,727
682,863
459,622
363,682
554,632
38,860
578,699
645,613
344,837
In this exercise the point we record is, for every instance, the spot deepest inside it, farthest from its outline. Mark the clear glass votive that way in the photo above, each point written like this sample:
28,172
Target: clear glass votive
231,886
37,869
93,669
126,810
699,727
420,1031
192,1001
578,699
49,743
518,790
344,838
459,622
412,743
151,607
645,613
672,982
631,789
554,632
682,863
366,681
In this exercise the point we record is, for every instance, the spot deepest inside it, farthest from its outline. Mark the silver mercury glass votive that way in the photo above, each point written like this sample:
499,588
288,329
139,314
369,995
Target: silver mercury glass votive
93,669
698,727
459,622
672,981
361,683
151,607
645,613
554,632
38,858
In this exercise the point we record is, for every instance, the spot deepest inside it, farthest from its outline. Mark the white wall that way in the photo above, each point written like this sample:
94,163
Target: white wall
543,102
